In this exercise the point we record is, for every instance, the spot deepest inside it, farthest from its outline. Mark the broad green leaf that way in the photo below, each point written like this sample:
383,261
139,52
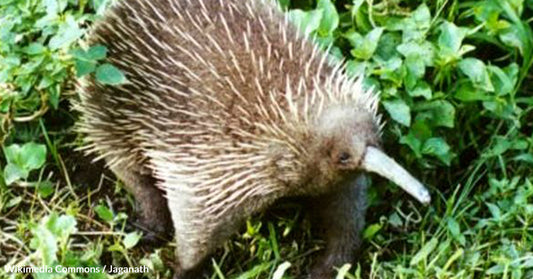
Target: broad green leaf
418,133
84,67
395,220
416,69
497,269
455,230
45,189
14,173
61,226
466,92
100,6
501,146
44,244
399,111
32,155
104,213
13,202
12,153
284,4
131,239
34,48
424,51
439,112
514,37
22,159
438,148
476,70
495,211
371,230
422,17
356,68
421,89
451,36
330,17
503,84
97,52
109,74
307,22
387,45
364,47
67,34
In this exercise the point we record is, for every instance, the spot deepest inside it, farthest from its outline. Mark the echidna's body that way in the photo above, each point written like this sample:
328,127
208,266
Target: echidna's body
227,108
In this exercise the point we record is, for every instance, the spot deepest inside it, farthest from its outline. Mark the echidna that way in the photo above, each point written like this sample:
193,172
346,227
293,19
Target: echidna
227,108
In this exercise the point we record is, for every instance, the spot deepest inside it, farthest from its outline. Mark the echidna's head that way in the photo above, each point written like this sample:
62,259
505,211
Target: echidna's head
345,141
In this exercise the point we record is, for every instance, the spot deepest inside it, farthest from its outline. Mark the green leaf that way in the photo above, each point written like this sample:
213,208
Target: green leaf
67,34
104,213
34,49
468,93
451,36
476,70
455,230
21,160
131,239
399,111
371,230
61,226
45,189
307,22
387,45
14,173
364,47
438,148
84,67
109,74
44,243
503,84
100,6
423,51
495,211
440,113
423,253
330,17
97,52
515,37
418,133
12,154
422,17
33,155
422,89
13,202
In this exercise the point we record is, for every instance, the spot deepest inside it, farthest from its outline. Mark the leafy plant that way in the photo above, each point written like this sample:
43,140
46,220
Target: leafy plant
454,82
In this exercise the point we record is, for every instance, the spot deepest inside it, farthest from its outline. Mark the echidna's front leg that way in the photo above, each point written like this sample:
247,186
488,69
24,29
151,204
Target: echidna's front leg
153,216
340,216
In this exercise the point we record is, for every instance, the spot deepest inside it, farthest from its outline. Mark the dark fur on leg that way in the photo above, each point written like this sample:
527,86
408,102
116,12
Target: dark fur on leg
199,272
152,213
341,217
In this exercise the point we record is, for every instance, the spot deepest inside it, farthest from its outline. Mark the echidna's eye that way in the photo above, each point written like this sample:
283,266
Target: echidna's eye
344,158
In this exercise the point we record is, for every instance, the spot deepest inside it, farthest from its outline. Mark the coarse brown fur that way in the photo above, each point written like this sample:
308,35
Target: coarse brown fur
227,108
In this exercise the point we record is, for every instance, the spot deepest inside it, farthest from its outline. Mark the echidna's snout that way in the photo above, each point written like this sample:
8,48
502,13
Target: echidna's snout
378,162
351,136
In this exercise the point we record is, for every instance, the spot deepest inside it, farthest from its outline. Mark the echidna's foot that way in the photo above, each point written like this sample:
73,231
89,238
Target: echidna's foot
153,215
321,273
155,236
199,272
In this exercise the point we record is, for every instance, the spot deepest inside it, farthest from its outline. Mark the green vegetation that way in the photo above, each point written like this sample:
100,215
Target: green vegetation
454,79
